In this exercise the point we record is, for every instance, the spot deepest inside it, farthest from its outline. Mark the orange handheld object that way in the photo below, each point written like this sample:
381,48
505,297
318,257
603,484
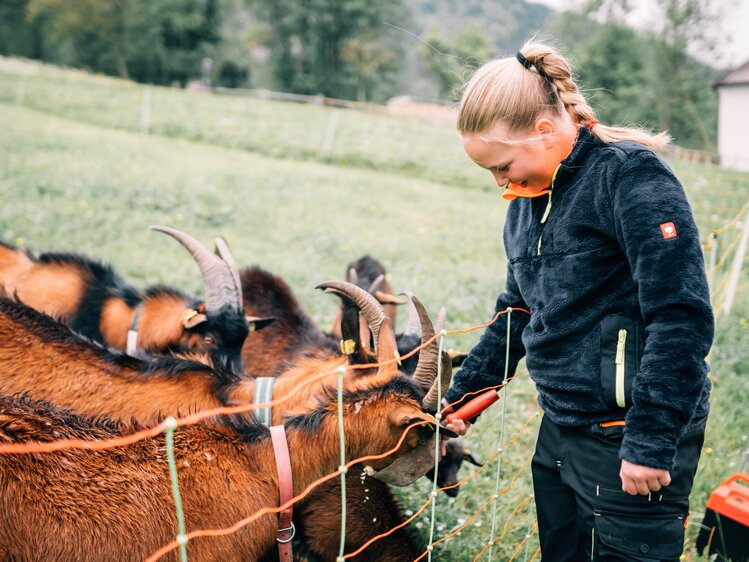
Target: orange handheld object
474,407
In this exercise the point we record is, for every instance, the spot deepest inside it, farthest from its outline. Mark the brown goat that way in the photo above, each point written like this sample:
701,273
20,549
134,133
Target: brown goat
45,359
291,339
116,504
370,275
371,507
42,357
96,302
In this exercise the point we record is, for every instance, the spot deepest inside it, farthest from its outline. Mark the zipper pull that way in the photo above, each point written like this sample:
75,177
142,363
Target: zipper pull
620,347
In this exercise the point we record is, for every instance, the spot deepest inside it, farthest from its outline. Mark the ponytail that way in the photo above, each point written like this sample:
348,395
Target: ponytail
515,90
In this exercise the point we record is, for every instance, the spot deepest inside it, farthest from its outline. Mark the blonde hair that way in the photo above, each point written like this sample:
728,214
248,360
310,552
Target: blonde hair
505,90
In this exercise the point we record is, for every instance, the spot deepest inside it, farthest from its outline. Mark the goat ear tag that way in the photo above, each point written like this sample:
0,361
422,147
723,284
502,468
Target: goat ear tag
193,318
668,229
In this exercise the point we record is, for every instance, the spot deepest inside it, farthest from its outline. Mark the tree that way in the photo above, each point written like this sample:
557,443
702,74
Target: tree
308,39
687,24
365,57
83,19
451,62
642,77
153,40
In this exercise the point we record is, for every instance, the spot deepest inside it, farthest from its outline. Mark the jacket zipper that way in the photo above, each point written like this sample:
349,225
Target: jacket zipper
547,211
621,348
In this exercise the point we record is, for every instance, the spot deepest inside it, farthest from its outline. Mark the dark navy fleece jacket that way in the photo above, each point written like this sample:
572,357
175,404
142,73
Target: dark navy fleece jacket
610,267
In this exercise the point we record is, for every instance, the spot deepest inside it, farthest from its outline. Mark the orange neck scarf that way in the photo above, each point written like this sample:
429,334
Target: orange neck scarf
514,190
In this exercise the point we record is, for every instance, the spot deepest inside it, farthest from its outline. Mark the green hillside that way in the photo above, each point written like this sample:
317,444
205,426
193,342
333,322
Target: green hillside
77,174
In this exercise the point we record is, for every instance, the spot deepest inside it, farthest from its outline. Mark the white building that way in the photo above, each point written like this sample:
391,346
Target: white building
733,119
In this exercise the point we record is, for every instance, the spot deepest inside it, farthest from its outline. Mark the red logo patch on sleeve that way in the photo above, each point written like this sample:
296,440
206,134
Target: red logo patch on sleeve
668,230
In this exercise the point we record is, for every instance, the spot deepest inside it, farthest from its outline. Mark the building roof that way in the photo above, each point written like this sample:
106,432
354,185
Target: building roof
738,76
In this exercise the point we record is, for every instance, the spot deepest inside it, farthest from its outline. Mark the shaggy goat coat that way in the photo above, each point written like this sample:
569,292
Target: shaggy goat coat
618,251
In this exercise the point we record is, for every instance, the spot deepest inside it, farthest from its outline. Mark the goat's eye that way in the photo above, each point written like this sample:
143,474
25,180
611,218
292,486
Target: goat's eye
209,340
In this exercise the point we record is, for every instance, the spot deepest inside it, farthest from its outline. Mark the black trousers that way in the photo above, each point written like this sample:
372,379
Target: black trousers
583,514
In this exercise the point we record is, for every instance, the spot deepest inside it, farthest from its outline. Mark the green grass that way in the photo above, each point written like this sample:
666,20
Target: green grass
76,175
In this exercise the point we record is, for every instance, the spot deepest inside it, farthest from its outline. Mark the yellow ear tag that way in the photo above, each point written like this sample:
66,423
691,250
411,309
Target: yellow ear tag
398,358
252,326
189,314
348,346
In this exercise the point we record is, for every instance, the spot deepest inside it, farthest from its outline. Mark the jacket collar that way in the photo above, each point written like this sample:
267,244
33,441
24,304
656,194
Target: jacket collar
570,165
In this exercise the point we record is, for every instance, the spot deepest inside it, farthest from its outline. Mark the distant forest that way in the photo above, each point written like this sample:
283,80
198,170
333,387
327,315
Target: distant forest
371,51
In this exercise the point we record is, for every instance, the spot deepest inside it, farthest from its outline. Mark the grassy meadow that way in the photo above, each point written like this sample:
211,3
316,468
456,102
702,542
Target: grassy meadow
77,174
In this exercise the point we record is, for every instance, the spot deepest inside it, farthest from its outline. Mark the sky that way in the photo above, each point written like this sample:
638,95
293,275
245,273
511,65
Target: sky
733,45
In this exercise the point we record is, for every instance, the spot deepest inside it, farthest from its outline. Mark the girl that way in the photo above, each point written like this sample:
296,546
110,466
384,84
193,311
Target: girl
603,250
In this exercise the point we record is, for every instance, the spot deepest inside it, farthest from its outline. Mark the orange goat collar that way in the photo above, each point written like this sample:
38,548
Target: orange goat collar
286,528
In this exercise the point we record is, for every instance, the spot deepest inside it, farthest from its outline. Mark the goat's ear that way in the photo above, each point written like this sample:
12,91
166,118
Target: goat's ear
193,318
457,357
256,323
404,417
427,422
387,298
468,457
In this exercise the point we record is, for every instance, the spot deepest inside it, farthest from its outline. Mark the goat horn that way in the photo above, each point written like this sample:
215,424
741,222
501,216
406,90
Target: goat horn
413,324
388,348
426,368
376,284
430,402
366,303
352,276
218,280
223,251
440,324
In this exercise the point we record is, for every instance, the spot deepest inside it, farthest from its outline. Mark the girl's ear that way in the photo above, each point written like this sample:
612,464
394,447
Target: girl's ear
546,128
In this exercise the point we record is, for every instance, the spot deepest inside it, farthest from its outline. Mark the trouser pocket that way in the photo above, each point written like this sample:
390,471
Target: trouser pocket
646,539
642,528
618,360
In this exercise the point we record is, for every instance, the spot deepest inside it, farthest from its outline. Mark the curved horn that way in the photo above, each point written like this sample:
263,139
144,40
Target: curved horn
223,251
388,348
218,280
440,324
376,284
366,303
426,369
430,401
352,276
413,324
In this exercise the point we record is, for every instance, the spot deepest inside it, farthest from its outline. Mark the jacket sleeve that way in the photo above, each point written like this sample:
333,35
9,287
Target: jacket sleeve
485,364
656,230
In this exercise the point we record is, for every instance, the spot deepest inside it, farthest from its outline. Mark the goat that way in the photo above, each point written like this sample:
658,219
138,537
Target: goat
117,505
42,357
96,302
370,275
46,359
371,507
291,339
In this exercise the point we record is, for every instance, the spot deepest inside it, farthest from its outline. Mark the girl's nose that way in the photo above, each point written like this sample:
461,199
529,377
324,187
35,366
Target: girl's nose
501,179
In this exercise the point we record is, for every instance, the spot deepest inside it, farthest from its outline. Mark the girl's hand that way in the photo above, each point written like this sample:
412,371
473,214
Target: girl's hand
639,479
458,426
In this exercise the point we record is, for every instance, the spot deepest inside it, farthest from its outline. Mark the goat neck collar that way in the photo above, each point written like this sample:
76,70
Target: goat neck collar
132,333
286,528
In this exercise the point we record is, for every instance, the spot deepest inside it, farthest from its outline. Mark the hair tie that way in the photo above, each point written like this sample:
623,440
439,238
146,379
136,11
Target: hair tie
524,61
591,123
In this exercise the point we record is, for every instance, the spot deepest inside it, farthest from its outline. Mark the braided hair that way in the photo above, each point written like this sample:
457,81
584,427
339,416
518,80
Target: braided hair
515,90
